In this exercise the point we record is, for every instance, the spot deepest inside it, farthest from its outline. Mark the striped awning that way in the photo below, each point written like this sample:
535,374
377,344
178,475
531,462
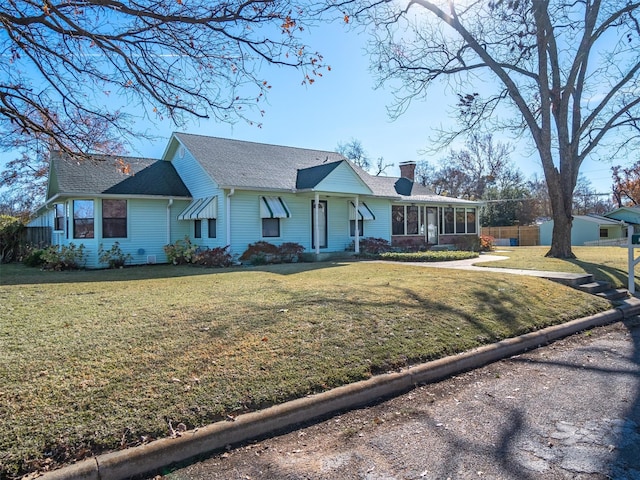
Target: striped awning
364,212
273,207
200,208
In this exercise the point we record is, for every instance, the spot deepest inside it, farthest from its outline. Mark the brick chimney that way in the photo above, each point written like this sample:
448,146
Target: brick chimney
408,170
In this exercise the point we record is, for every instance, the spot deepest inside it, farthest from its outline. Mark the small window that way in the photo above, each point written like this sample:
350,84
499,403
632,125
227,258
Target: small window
604,233
270,227
114,218
58,223
83,219
352,228
197,229
212,227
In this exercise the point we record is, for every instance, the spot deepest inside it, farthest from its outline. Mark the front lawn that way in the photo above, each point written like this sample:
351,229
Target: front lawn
99,360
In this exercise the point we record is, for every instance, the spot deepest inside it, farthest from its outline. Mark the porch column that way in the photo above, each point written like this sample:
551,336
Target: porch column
316,222
357,239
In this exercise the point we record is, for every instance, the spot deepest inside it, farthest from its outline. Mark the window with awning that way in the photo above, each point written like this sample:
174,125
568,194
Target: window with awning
273,207
201,208
364,212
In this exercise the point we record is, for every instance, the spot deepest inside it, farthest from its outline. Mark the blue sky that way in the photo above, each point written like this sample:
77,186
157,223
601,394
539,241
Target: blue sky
343,105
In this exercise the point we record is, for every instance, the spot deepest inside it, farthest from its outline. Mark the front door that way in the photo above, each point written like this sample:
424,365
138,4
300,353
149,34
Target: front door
322,224
432,225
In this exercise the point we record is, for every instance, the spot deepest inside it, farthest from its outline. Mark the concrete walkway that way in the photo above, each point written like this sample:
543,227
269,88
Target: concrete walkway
470,264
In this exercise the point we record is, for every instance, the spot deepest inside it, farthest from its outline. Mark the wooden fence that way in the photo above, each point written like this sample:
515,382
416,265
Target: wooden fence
37,236
512,236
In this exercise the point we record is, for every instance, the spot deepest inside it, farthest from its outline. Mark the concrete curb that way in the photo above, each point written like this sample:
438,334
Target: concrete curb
160,453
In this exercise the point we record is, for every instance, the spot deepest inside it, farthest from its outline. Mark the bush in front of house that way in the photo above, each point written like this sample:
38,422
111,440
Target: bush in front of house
374,246
213,257
114,257
34,258
10,233
428,256
486,243
261,253
64,257
181,252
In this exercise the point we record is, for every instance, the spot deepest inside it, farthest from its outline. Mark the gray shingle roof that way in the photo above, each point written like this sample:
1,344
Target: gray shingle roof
103,174
241,164
236,163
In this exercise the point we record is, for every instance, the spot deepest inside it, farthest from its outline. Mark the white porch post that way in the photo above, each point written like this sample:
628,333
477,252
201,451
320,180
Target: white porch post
228,216
316,222
357,240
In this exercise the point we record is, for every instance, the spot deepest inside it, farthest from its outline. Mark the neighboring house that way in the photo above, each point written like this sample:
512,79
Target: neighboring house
591,229
630,215
222,192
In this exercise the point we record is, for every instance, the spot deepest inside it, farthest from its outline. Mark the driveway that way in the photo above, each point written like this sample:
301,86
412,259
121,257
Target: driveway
570,410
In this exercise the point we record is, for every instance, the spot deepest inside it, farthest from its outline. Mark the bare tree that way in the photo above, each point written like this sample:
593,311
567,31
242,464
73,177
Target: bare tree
355,152
568,69
63,62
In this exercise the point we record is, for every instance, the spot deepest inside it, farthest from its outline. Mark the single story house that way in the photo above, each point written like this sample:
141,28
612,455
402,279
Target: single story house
221,192
588,229
629,215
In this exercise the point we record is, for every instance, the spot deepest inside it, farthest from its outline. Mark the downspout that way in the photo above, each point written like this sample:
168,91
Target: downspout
169,220
228,215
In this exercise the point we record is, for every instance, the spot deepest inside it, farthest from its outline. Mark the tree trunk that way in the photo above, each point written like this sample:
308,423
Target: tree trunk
560,189
561,238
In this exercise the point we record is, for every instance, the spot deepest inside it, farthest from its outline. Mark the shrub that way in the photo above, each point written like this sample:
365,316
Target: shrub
261,253
10,232
429,256
34,258
64,257
213,257
486,243
181,252
114,257
374,246
290,252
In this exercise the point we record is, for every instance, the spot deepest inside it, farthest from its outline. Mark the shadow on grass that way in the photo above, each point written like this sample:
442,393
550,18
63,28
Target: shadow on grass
18,274
616,277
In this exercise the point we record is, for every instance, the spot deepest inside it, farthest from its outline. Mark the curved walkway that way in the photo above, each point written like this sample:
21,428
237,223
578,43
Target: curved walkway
470,264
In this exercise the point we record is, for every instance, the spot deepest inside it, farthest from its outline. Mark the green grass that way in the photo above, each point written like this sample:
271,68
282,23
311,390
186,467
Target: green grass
99,360
604,263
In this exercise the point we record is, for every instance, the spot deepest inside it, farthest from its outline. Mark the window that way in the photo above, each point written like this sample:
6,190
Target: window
604,233
212,227
471,220
397,220
412,220
448,220
197,229
114,218
270,227
58,222
460,220
352,228
83,219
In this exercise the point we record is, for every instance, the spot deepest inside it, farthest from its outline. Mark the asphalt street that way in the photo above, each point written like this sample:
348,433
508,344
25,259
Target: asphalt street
570,410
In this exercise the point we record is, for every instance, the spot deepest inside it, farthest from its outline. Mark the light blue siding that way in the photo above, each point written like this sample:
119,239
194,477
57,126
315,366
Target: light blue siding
196,179
581,231
381,226
343,180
